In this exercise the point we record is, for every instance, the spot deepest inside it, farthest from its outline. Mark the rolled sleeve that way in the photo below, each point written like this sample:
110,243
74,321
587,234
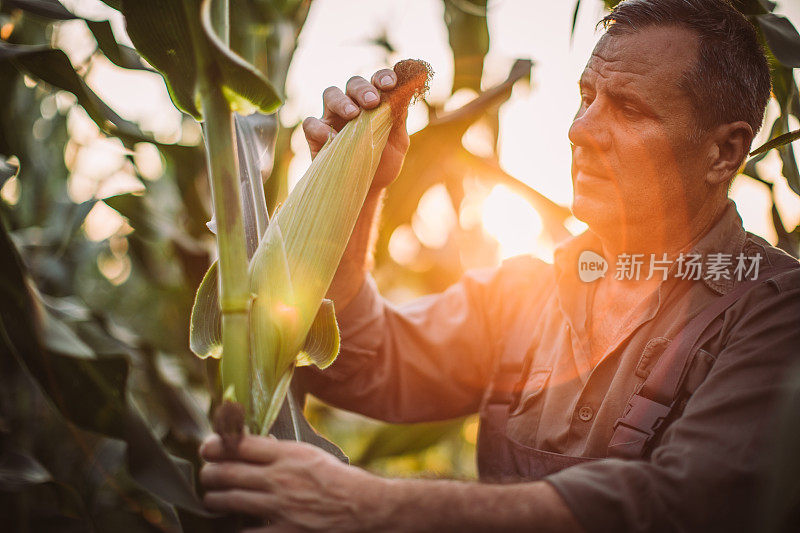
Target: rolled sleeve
428,359
707,472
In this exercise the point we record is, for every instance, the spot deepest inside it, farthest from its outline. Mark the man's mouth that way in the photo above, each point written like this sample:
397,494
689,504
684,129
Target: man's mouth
589,173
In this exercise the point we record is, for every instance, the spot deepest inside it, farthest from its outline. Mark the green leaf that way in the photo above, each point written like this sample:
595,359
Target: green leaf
288,428
116,4
7,170
245,87
782,38
88,391
468,34
161,33
790,170
77,214
119,54
51,9
777,142
19,470
134,207
574,19
54,68
205,327
392,440
59,338
322,342
268,404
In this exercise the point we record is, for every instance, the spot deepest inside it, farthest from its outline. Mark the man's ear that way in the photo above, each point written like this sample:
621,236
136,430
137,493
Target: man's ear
730,144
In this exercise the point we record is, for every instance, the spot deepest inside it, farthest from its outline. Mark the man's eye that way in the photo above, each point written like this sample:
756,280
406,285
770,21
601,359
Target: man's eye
631,111
586,99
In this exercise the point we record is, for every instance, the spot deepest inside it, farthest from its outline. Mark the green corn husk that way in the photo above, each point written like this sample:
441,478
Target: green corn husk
294,264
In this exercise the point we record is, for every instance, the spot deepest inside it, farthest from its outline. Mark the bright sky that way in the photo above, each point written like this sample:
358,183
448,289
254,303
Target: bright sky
335,45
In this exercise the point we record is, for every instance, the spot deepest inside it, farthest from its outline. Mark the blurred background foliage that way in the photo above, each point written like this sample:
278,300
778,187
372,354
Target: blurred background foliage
104,242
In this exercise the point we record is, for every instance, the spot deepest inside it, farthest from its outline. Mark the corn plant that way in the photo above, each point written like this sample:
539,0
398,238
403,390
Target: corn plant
270,306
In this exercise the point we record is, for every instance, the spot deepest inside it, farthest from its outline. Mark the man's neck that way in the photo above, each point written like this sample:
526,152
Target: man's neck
666,236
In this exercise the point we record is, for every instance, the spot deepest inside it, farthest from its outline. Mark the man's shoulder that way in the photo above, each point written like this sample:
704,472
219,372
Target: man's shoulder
768,310
772,257
516,280
525,265
524,273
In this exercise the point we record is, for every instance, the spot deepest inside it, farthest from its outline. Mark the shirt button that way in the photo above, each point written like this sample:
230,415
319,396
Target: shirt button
585,413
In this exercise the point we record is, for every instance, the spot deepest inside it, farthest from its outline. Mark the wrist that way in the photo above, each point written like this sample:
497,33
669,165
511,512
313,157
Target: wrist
386,501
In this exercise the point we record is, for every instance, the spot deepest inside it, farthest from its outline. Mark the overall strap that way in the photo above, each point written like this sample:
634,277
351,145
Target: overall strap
650,406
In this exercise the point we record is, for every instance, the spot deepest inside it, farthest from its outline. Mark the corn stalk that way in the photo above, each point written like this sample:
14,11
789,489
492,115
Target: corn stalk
224,175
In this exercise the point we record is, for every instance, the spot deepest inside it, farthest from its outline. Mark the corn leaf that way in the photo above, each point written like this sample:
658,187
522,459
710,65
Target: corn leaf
205,325
205,330
89,390
54,68
289,427
782,38
161,33
777,142
322,342
268,405
119,54
7,170
51,9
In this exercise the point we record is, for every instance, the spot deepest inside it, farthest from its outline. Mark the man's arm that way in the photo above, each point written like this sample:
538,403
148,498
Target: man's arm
705,475
425,360
299,488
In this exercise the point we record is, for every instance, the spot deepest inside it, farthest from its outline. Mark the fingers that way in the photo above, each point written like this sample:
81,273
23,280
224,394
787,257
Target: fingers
338,108
252,448
228,475
384,79
317,133
362,92
241,501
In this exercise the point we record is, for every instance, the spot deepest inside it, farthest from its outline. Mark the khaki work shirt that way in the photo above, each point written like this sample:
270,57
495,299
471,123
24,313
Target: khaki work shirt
431,359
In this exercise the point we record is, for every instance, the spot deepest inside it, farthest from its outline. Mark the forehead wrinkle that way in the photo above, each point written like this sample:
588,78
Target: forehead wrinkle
636,74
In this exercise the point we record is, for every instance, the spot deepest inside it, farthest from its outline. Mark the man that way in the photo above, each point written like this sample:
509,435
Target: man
671,98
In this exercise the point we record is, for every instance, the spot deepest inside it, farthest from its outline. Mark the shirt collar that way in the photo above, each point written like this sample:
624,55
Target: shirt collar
727,236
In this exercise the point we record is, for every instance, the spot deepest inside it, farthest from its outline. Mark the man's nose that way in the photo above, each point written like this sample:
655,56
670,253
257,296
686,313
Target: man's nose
590,128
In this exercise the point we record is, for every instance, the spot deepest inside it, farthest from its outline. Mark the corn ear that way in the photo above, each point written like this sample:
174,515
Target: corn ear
295,262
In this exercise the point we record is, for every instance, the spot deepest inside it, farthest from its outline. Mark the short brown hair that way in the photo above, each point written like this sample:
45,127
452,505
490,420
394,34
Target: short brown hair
730,80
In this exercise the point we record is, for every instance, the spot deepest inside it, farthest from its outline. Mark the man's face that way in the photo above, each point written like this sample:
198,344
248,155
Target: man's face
633,162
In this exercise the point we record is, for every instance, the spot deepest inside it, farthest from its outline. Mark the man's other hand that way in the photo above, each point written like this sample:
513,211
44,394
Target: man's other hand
296,486
341,107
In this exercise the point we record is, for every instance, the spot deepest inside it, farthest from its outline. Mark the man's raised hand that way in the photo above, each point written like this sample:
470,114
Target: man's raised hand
341,107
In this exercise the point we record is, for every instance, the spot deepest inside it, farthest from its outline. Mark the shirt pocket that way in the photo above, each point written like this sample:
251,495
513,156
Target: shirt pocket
532,392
